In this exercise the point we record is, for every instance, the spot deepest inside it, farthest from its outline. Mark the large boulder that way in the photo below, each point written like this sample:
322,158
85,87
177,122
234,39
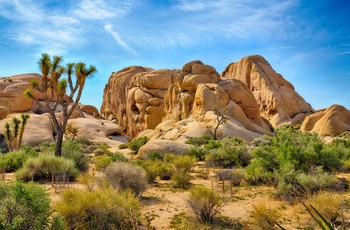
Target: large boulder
12,93
278,101
329,122
37,130
98,130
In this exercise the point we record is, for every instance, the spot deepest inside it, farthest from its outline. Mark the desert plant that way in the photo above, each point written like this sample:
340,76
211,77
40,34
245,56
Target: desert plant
124,176
264,216
155,169
199,141
42,168
204,203
329,205
98,209
101,162
54,88
74,151
183,163
24,206
14,160
137,143
221,118
181,179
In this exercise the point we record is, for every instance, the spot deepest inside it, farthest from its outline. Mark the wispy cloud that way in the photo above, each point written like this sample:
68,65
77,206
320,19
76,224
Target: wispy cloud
109,29
95,9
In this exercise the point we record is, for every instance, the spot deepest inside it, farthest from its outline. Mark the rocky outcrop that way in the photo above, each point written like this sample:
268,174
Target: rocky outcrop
37,130
278,102
98,130
329,122
12,92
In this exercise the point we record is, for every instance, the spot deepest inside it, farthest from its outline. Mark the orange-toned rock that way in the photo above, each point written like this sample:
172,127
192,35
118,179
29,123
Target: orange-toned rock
278,102
330,122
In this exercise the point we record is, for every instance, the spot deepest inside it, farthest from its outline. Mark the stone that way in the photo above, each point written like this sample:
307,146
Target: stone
278,102
37,130
332,121
4,111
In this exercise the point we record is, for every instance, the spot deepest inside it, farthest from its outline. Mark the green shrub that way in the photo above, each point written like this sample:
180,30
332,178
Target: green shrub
101,162
183,163
197,152
83,140
44,166
24,206
233,152
181,179
294,185
99,209
14,160
199,141
155,169
154,156
124,176
204,203
137,143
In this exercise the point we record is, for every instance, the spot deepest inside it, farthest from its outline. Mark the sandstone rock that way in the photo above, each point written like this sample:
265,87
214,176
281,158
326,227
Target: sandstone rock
4,111
37,130
90,111
277,100
330,122
162,147
98,130
12,95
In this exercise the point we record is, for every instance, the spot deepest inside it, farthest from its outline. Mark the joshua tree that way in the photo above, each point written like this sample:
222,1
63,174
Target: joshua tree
16,122
221,118
8,136
14,138
25,118
54,91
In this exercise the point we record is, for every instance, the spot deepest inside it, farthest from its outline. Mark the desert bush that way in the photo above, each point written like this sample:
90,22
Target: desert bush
330,205
14,160
101,162
83,140
204,203
99,209
155,169
199,141
181,179
81,160
154,156
137,143
233,152
197,152
88,180
294,185
24,206
42,168
226,174
124,176
237,177
213,144
183,163
263,216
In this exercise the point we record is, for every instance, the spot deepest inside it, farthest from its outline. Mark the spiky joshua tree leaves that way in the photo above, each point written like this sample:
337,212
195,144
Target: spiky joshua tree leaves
60,92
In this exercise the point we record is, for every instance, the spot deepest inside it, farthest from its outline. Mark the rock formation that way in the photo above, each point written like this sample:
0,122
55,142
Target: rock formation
278,102
329,122
39,127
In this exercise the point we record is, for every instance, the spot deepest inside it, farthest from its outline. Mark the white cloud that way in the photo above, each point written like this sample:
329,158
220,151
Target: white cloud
109,29
94,9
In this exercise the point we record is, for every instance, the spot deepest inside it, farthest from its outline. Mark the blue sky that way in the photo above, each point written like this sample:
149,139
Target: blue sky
308,42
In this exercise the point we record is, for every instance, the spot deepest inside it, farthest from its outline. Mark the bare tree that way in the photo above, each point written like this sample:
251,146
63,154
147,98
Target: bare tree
54,91
221,119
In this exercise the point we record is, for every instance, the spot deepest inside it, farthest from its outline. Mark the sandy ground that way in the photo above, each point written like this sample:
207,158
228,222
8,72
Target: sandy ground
163,201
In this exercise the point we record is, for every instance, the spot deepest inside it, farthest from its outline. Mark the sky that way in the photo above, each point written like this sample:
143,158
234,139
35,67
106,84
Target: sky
307,41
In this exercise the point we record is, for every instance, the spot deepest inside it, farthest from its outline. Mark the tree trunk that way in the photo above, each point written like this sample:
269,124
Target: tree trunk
59,142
